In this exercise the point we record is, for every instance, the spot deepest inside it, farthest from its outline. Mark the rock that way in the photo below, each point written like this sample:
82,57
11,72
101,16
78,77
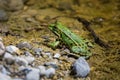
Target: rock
22,45
33,75
2,47
13,49
3,70
52,64
3,15
8,58
57,55
42,70
4,77
50,72
21,61
80,68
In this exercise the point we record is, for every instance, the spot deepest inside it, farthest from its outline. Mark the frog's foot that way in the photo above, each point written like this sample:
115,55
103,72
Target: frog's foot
53,45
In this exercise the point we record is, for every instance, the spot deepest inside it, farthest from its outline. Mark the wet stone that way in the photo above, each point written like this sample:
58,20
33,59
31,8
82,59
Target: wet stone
80,68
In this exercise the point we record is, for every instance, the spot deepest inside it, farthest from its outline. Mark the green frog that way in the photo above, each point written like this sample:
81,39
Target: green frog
77,45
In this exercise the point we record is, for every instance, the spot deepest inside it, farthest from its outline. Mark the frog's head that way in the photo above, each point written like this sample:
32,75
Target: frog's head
55,28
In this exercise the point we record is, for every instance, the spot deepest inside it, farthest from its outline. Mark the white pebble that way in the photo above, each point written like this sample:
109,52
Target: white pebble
57,55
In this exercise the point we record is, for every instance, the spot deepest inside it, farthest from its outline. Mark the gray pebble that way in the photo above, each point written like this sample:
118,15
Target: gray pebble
5,77
12,49
3,15
2,47
22,45
8,58
42,70
37,51
33,75
81,68
50,72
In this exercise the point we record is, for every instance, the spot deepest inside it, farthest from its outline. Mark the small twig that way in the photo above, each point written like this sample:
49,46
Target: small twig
96,37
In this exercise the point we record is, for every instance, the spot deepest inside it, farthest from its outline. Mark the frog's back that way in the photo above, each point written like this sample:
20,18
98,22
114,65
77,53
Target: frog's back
73,40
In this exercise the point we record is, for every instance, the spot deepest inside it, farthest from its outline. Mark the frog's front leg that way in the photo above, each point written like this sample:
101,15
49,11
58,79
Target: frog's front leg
54,45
